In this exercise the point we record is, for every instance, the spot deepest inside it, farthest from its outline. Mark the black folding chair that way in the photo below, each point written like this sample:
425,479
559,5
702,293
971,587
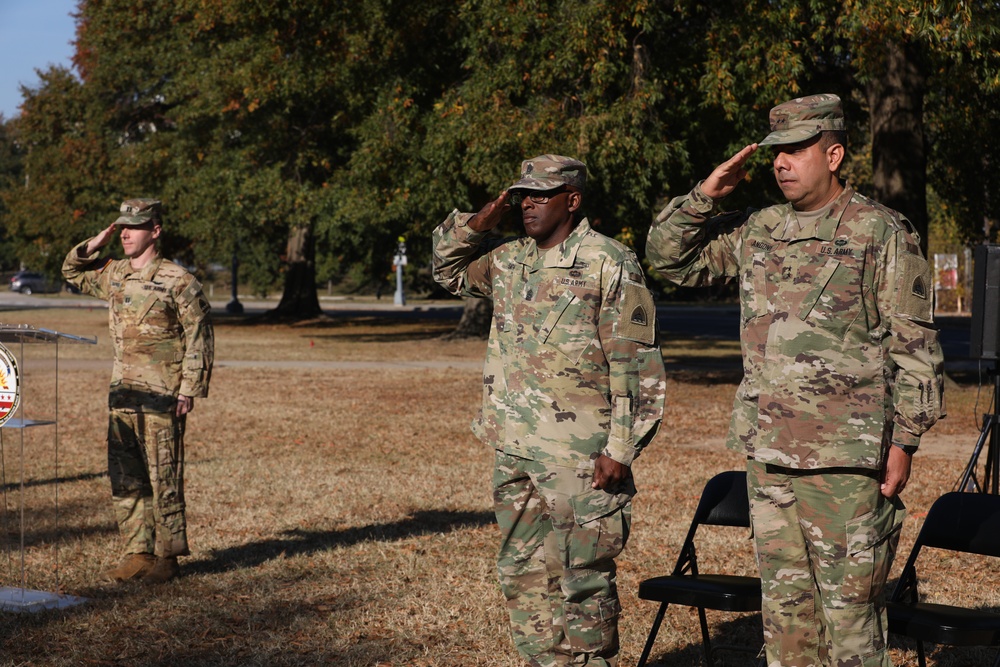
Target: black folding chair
964,522
723,503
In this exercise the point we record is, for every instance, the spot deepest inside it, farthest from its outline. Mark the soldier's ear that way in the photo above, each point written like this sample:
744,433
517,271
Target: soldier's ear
574,200
156,230
835,156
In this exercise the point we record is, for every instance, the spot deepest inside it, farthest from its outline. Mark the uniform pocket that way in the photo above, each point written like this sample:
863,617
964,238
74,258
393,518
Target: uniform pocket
569,326
602,522
168,482
754,301
593,624
872,539
835,300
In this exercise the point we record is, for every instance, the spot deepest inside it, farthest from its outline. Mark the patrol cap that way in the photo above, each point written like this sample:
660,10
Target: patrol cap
804,118
547,172
135,212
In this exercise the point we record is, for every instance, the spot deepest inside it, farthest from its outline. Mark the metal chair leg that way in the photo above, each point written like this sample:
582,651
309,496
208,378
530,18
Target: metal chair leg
652,635
706,641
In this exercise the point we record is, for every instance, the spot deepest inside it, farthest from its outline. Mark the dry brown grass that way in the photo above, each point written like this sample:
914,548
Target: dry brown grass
340,514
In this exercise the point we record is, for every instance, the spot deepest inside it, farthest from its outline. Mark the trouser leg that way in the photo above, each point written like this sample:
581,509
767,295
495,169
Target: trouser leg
521,565
556,563
131,492
825,542
146,466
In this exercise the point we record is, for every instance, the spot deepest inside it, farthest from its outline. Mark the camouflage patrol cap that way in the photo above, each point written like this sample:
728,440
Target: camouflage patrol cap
546,172
135,212
804,118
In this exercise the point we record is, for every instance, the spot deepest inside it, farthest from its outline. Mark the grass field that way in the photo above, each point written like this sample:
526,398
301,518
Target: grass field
339,508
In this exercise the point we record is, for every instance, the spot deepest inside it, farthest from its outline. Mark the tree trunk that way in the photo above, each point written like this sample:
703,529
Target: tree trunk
299,300
476,320
899,157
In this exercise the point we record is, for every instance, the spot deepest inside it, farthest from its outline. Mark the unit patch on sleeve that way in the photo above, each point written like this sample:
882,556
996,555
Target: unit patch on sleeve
913,288
637,314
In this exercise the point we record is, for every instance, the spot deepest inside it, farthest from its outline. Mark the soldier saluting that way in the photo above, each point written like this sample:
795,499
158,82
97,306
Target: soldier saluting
573,389
842,375
164,348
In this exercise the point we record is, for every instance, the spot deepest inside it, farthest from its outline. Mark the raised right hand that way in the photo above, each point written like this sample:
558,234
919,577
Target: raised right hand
102,239
728,175
490,215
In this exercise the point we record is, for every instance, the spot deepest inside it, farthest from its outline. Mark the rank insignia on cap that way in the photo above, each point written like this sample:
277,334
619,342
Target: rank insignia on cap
919,289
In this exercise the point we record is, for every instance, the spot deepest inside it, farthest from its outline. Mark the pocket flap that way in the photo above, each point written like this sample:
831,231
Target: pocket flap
596,503
871,529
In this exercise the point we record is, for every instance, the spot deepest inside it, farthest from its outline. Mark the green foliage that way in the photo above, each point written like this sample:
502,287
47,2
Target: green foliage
370,120
64,151
591,80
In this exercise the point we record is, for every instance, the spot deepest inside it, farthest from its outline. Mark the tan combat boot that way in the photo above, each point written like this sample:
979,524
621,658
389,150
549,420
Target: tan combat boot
133,567
163,570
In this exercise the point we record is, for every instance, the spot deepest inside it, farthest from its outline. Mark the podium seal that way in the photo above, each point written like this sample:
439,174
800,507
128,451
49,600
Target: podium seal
10,385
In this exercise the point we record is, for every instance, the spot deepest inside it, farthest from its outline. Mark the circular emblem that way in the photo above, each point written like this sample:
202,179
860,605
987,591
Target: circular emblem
10,385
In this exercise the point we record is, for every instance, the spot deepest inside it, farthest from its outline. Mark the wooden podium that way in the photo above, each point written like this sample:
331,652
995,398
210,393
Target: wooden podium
29,452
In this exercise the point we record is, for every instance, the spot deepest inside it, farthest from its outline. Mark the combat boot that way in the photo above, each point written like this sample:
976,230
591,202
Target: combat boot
134,566
163,570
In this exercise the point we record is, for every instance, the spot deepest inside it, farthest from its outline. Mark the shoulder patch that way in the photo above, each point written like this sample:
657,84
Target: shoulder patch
637,314
913,288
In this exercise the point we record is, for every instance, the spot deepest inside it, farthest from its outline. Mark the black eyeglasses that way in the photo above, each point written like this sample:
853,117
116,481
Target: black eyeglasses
518,196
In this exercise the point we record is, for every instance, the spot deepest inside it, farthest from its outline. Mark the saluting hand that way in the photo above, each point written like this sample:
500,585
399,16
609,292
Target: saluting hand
490,215
102,239
728,175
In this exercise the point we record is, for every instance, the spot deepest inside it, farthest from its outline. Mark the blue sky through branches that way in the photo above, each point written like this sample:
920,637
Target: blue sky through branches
34,34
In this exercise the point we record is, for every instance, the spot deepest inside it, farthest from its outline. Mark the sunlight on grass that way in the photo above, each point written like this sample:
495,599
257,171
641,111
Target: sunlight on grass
342,516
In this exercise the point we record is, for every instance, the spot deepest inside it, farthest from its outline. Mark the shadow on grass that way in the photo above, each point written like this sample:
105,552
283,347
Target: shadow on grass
47,524
297,542
381,325
735,643
82,477
344,317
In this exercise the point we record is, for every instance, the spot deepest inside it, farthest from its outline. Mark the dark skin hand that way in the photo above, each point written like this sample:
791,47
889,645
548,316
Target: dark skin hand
608,473
896,473
490,215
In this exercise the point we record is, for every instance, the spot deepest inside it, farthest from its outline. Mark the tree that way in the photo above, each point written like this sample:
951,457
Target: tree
882,58
306,136
601,81
59,135
11,176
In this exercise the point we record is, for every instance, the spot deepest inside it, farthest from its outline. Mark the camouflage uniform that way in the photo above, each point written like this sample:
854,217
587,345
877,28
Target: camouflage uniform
840,359
573,370
164,346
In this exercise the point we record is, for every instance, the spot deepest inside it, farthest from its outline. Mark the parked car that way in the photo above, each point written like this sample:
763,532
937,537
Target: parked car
30,282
